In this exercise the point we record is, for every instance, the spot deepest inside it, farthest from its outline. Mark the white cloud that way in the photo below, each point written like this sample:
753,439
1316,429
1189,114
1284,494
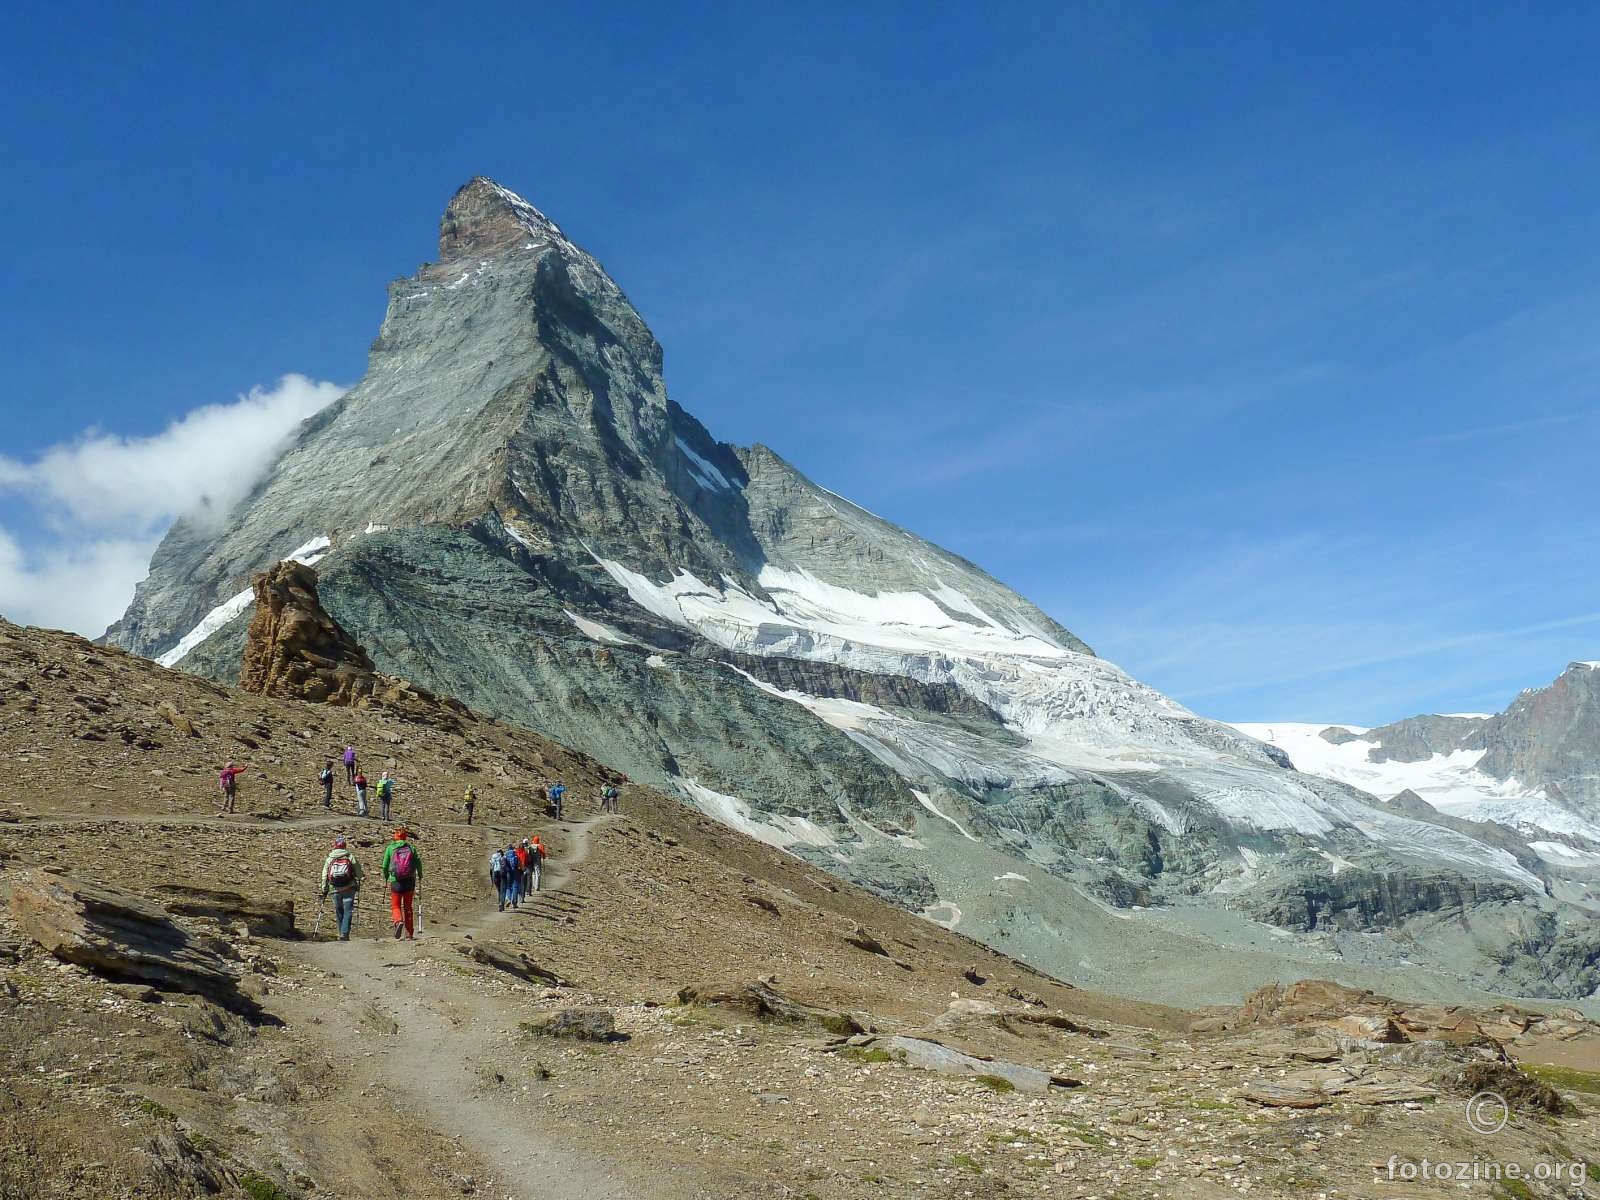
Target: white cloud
105,500
201,465
81,586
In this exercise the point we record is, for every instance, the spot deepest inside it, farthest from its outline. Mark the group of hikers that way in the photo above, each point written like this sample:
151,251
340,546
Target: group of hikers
515,872
355,777
401,871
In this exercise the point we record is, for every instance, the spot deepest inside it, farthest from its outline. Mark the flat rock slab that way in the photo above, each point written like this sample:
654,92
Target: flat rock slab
1278,1095
1387,1093
931,1056
123,937
263,918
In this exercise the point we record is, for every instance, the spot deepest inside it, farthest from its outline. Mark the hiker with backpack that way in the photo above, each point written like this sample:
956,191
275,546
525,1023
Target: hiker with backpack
361,795
469,802
497,876
228,782
513,876
350,765
402,870
557,793
536,853
385,795
326,780
608,799
341,875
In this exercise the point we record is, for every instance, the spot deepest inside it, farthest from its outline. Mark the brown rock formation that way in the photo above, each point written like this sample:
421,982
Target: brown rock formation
296,650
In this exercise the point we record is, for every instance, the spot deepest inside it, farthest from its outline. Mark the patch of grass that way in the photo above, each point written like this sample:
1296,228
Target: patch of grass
965,1161
1564,1078
995,1083
259,1187
867,1054
1513,1189
1082,1132
1146,1162
1205,1104
151,1108
839,1025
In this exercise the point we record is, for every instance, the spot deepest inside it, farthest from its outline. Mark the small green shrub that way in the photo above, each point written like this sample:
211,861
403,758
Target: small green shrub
259,1187
995,1083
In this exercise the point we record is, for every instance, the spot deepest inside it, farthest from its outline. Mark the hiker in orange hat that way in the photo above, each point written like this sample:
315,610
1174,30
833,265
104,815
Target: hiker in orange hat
402,868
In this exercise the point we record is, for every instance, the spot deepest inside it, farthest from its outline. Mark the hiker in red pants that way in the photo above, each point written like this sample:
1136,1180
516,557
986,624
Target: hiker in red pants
402,868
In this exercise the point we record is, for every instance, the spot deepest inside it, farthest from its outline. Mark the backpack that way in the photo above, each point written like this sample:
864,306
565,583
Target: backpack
497,865
385,788
341,873
326,775
403,868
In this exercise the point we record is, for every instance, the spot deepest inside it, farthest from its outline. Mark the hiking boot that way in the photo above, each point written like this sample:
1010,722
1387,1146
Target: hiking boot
398,930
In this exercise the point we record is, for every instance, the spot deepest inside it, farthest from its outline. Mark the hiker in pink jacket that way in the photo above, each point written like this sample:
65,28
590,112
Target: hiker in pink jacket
228,781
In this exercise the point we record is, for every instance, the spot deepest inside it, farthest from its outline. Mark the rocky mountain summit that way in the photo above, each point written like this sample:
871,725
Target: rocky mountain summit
509,509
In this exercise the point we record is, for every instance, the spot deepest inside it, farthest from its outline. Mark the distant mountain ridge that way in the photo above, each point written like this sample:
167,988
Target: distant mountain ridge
509,509
1534,766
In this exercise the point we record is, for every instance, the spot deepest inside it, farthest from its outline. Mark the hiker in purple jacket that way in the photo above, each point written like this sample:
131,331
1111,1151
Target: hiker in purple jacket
350,765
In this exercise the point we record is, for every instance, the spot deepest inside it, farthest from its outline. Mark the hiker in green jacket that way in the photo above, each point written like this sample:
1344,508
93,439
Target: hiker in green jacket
402,870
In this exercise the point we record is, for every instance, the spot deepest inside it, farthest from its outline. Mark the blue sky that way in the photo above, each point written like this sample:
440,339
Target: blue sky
1257,343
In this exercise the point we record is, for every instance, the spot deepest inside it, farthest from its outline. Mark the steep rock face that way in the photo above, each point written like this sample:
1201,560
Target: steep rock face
1534,767
509,509
1550,738
1417,739
294,649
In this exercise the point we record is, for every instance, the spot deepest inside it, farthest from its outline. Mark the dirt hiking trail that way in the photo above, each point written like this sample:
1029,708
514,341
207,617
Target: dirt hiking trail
431,1045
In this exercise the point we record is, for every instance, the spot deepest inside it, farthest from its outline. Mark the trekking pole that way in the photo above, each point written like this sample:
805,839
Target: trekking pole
322,903
419,910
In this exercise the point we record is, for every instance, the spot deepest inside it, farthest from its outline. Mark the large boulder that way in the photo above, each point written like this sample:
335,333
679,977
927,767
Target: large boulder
122,937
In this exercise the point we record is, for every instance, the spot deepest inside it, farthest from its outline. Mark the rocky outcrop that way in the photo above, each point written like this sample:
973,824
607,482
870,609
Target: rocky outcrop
259,917
124,938
294,649
764,1002
1370,1016
1550,738
1417,739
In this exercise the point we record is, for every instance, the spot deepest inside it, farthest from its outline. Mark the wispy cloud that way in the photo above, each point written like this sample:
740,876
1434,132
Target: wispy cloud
1510,428
199,466
101,502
